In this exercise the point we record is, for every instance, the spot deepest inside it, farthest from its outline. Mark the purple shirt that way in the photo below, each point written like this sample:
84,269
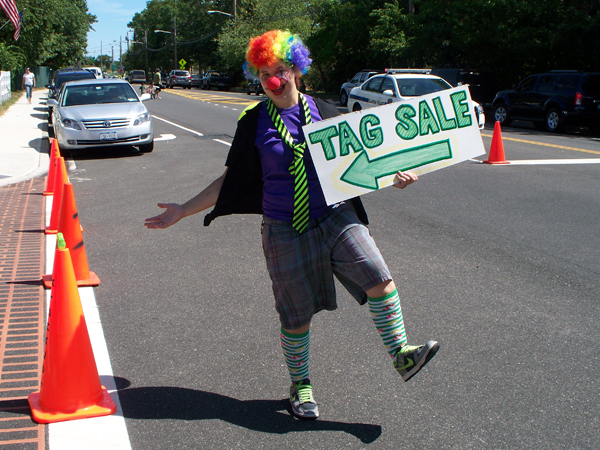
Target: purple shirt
276,159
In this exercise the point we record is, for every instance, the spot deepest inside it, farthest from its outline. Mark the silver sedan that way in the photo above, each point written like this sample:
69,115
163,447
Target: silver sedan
101,112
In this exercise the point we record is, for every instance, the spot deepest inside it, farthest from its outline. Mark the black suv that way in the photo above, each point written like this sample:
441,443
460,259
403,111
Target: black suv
552,100
62,76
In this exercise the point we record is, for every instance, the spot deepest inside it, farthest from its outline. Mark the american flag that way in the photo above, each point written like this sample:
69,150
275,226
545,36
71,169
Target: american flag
10,8
18,30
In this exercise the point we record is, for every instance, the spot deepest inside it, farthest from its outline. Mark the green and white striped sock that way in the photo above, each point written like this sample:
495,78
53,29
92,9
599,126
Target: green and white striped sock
295,351
387,316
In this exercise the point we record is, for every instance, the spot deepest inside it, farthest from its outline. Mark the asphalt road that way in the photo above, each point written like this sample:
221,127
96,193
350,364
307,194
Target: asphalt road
497,263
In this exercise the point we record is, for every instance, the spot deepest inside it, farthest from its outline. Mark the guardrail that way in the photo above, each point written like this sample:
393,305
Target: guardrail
4,86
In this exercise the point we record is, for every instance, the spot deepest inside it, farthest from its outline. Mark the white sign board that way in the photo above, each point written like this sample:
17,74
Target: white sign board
361,152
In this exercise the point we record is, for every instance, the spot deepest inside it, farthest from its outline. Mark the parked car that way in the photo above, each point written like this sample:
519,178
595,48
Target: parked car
254,87
397,85
356,80
98,113
482,85
179,78
196,80
62,76
552,100
137,76
215,79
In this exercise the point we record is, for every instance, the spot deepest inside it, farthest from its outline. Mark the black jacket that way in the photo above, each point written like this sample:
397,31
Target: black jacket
242,189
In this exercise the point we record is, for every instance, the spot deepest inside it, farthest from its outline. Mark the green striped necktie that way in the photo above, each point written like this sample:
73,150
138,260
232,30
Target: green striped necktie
297,168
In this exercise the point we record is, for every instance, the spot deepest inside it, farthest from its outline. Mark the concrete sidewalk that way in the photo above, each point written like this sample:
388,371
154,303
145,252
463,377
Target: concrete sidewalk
24,148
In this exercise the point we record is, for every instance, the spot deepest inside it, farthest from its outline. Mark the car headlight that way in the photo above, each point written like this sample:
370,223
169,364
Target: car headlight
70,123
142,118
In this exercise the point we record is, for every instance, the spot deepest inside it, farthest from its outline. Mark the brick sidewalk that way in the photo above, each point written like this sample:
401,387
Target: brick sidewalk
21,311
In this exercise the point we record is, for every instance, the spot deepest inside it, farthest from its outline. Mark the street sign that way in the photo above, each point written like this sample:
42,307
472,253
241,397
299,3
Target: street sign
361,152
182,63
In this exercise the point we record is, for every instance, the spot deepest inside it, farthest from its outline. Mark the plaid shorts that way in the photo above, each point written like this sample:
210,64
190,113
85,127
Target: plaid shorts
302,266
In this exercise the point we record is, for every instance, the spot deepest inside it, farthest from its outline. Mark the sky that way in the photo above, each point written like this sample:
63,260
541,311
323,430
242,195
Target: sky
112,18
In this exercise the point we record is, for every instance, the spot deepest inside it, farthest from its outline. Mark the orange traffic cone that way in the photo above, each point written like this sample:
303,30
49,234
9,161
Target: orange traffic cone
497,148
70,387
59,181
68,225
54,155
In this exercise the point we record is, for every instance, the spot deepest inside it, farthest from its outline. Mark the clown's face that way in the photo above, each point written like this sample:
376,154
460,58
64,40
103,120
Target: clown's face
279,83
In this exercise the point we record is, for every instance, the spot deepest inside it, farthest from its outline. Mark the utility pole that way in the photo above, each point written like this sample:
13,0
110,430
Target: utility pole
120,58
146,45
175,42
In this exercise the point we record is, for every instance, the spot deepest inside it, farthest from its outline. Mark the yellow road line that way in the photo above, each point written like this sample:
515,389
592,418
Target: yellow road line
215,98
544,145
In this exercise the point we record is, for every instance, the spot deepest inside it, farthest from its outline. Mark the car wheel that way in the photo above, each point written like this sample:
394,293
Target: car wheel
146,148
554,120
257,91
356,107
344,98
501,114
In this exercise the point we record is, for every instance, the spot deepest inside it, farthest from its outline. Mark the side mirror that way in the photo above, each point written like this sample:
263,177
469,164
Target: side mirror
145,97
51,102
389,92
49,86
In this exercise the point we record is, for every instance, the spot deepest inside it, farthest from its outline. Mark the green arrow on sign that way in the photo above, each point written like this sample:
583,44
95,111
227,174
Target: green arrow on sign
364,172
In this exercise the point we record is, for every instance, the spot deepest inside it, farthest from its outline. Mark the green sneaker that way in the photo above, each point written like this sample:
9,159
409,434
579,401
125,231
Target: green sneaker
302,401
410,358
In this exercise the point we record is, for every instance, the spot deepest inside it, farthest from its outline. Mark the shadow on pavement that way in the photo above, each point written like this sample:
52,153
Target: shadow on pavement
258,415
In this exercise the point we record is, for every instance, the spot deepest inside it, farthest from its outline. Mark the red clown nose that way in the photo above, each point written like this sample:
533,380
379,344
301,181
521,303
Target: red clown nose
273,83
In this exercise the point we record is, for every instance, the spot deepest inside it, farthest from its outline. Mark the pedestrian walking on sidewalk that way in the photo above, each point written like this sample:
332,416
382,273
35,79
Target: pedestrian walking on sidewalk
306,242
28,83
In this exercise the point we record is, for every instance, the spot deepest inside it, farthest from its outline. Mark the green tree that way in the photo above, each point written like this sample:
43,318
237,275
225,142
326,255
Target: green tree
53,32
11,57
341,42
254,18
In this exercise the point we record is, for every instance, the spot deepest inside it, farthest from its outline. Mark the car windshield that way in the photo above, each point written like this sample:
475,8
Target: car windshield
414,87
63,78
93,94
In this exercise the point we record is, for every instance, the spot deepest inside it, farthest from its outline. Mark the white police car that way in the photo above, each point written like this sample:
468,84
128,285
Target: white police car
397,85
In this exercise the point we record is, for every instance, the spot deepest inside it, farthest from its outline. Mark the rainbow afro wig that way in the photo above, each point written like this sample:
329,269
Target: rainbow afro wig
266,49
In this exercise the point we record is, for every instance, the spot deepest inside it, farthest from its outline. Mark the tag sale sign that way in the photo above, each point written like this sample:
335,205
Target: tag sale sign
361,152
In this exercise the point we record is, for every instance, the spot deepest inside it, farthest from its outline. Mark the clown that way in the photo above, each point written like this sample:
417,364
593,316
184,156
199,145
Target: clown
306,242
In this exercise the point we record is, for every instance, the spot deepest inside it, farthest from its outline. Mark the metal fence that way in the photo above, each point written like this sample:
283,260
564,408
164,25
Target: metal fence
4,86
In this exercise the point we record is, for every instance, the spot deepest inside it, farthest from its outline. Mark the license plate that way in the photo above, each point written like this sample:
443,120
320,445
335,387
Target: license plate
110,136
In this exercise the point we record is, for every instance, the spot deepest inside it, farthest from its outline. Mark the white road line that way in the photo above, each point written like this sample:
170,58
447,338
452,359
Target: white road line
222,142
540,162
165,137
178,126
99,433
